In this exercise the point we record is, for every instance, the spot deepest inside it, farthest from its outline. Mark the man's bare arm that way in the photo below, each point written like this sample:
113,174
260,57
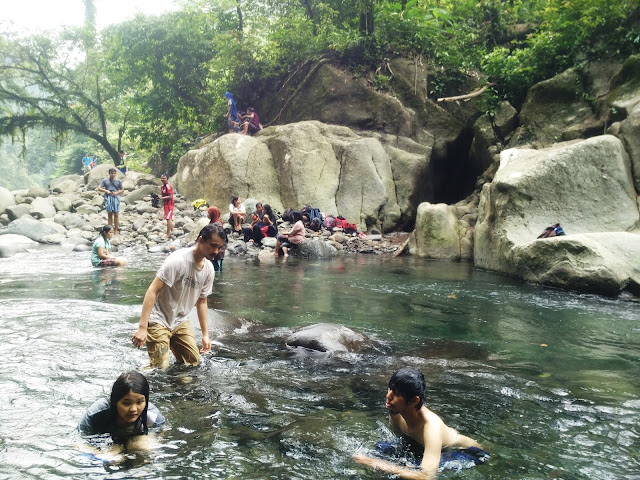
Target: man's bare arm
140,337
402,472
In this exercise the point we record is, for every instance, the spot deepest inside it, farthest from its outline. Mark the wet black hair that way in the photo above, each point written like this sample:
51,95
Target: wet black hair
213,229
269,212
233,199
113,170
409,383
125,383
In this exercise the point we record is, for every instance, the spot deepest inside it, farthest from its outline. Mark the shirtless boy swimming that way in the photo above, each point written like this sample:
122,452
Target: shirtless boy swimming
408,416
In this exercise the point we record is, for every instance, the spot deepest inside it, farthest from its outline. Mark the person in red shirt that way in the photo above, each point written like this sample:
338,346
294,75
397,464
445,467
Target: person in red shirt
166,193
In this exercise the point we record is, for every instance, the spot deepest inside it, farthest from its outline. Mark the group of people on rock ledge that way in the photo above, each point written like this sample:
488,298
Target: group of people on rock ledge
246,123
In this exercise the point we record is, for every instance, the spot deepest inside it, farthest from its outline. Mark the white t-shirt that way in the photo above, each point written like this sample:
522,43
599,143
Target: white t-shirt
184,285
241,208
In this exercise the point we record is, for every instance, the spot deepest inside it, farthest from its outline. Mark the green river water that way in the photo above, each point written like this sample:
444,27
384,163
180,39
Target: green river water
547,380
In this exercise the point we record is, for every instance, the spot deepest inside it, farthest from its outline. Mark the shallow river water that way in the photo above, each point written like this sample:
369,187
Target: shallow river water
548,381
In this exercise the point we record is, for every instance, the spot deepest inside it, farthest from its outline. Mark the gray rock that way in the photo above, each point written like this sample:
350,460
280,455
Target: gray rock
586,186
314,248
604,263
54,239
62,203
87,209
142,208
67,184
237,248
6,199
70,220
17,211
10,244
269,242
141,192
31,228
37,191
438,234
42,208
139,223
328,337
82,248
94,177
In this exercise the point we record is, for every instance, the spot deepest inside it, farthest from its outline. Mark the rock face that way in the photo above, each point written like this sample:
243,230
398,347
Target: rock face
329,167
328,337
439,234
586,186
6,199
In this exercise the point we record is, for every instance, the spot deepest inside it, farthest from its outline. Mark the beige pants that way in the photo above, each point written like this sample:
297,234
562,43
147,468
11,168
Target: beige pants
181,342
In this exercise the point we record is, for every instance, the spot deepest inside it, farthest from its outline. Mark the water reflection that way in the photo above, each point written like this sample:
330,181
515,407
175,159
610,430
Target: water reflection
547,379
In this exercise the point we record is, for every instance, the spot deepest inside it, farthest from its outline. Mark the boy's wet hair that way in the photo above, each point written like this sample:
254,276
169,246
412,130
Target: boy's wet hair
213,229
409,383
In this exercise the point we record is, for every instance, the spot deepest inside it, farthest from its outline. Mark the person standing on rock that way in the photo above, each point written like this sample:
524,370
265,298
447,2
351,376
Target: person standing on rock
232,113
185,279
112,188
166,193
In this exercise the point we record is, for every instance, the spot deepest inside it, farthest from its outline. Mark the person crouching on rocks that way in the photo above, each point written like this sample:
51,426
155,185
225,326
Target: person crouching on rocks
286,241
100,252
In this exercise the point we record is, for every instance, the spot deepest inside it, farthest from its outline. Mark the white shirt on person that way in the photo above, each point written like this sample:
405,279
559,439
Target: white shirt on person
184,284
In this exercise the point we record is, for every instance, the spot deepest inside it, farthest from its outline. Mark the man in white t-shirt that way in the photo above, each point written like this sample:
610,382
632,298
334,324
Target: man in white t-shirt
184,280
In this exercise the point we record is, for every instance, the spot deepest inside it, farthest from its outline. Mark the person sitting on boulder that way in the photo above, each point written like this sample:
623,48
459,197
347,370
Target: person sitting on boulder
250,122
100,256
270,221
237,213
254,232
292,239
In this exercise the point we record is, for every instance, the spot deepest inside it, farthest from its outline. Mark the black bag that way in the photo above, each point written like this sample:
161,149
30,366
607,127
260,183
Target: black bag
286,216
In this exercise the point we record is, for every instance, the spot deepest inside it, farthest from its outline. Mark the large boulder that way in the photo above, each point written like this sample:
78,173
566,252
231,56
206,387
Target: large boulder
330,167
31,228
231,165
10,244
94,177
6,199
328,337
62,203
37,191
586,186
141,192
624,100
42,208
70,220
440,235
67,184
556,110
606,263
315,248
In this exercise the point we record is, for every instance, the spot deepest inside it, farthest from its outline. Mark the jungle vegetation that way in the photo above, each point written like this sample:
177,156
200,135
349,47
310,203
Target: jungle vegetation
153,84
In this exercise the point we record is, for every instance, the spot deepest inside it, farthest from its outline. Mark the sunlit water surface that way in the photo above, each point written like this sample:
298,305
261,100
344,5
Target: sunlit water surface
546,380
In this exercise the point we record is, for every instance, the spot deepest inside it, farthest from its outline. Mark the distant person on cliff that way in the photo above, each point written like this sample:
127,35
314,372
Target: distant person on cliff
86,163
287,241
214,217
250,122
410,418
122,165
101,250
232,113
237,213
112,188
166,193
185,279
126,415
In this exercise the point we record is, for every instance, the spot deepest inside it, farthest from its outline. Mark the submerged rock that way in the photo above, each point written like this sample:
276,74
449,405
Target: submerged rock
328,337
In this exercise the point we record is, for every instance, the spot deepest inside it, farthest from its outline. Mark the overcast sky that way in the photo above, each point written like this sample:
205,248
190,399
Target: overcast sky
51,14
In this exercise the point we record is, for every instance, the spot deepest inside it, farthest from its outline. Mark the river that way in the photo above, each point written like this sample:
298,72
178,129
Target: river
546,380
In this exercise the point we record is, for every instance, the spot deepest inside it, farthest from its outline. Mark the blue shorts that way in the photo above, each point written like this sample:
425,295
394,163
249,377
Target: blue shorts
112,204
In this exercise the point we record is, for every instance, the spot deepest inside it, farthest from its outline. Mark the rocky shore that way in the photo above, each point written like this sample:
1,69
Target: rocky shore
71,212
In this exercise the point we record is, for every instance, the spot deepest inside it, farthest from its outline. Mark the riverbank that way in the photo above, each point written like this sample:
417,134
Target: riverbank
71,212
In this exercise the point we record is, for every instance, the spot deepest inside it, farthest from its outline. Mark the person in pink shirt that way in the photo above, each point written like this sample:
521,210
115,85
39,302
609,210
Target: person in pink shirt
295,237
